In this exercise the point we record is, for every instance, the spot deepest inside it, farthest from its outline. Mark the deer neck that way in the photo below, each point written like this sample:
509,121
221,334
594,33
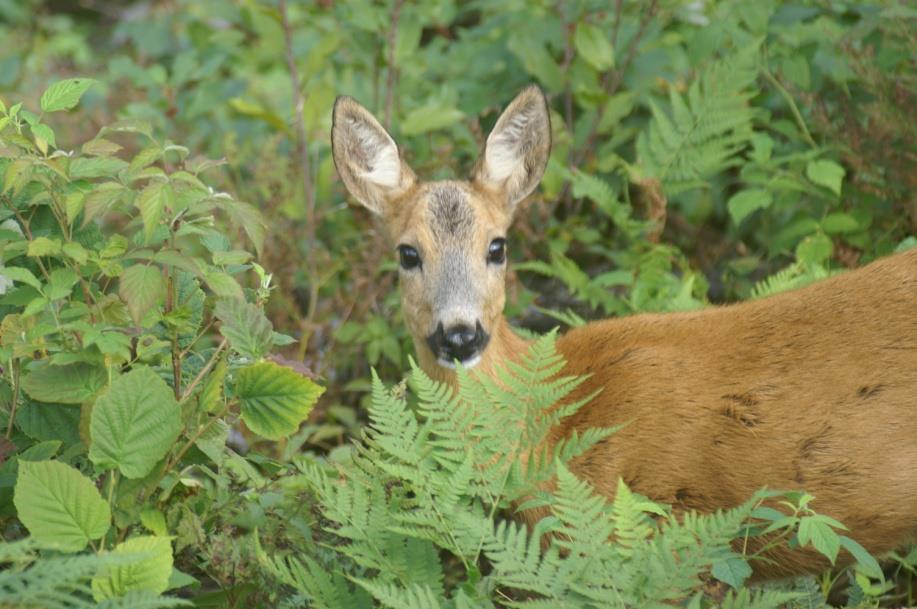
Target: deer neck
504,345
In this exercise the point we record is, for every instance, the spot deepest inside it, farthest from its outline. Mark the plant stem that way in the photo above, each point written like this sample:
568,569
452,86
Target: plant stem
800,122
302,142
204,371
14,375
392,77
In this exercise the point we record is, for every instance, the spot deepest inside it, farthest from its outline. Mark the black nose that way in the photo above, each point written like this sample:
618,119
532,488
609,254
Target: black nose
460,342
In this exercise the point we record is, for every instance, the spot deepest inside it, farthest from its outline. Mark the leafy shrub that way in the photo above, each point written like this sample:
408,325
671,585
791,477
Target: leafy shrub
116,401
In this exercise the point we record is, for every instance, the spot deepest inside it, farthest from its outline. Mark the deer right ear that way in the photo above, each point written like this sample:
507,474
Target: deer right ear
366,156
517,150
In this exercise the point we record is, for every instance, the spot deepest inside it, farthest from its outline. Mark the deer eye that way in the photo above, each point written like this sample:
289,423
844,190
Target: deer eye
410,257
496,253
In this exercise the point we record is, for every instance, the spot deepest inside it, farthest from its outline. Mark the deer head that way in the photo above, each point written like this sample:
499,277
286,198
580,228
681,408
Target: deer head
450,235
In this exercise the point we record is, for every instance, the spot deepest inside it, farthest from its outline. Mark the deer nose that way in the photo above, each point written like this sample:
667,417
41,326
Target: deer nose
461,336
460,342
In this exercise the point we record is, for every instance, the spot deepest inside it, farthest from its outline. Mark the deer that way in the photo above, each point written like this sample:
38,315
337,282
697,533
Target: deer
813,389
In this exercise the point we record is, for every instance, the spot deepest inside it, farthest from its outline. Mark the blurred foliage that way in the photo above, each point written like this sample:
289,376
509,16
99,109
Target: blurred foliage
703,151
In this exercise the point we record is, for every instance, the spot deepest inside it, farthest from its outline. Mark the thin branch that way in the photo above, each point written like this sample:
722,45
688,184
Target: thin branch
200,375
392,77
302,143
613,79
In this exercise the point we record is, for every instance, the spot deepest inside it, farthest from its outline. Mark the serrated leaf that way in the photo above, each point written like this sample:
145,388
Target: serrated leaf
59,506
593,46
44,136
155,198
150,572
275,400
70,384
100,199
96,167
43,246
822,537
212,391
48,421
65,94
134,424
100,147
733,571
223,284
744,203
826,173
213,441
20,275
245,327
141,286
250,219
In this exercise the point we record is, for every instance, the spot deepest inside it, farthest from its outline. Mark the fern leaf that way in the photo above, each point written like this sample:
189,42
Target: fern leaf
705,130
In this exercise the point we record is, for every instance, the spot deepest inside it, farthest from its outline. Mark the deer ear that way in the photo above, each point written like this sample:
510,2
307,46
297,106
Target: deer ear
518,148
366,156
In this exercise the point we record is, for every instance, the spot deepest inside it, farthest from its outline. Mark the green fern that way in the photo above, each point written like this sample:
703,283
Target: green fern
705,129
795,276
64,582
426,492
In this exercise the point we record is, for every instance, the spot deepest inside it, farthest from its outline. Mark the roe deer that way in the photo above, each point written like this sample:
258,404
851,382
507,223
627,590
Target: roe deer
813,389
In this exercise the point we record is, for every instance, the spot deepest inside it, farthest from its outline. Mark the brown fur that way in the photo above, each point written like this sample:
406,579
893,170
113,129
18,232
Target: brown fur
814,389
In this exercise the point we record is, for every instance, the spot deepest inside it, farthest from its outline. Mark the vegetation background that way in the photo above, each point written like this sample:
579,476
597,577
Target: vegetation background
704,152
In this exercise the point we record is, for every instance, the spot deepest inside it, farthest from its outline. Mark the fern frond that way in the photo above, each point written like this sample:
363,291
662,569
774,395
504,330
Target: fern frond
792,277
396,597
704,130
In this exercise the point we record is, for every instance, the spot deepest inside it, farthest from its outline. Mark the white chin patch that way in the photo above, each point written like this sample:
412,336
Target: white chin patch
467,365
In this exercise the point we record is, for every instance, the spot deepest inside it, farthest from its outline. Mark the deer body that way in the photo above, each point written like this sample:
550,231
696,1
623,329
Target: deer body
814,389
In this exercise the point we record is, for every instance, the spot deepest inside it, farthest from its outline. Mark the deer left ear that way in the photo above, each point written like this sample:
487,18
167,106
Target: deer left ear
366,157
518,148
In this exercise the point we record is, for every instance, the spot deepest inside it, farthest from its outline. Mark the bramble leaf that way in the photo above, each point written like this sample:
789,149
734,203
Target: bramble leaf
133,425
59,506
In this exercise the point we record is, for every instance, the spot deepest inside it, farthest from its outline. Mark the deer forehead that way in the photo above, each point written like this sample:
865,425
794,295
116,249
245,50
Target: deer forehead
449,215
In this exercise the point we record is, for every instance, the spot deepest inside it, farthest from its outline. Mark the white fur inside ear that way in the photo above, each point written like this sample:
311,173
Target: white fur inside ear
381,155
502,155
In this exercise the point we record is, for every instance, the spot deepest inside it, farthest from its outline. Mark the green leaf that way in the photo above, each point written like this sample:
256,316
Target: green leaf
245,326
20,275
865,561
155,198
593,46
141,286
733,571
820,535
134,424
59,506
274,399
430,118
65,94
60,283
95,167
154,521
840,222
149,573
44,136
826,173
70,384
42,246
49,422
744,203
815,249
223,284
